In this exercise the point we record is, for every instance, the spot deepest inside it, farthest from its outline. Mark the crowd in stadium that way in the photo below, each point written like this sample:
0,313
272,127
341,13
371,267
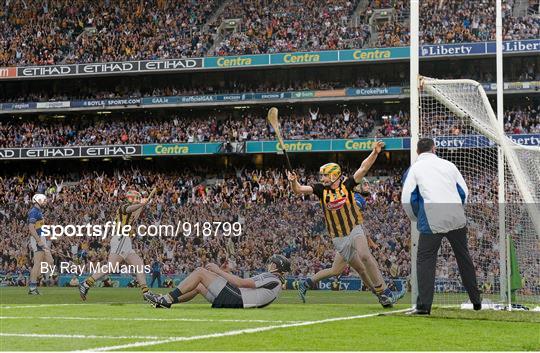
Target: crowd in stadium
453,22
520,121
251,126
522,69
273,220
175,129
295,26
44,32
41,32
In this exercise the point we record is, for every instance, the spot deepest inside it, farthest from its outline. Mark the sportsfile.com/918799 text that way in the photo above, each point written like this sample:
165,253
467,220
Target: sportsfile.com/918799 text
110,229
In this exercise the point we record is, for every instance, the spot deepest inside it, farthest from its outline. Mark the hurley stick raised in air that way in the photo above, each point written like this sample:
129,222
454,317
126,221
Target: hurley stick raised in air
273,120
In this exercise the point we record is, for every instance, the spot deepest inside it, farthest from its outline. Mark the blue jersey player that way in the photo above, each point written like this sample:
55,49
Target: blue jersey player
38,244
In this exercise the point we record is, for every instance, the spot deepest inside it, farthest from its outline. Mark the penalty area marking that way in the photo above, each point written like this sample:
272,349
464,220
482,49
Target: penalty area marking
237,332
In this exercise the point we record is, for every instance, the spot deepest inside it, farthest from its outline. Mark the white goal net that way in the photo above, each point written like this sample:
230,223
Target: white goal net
459,117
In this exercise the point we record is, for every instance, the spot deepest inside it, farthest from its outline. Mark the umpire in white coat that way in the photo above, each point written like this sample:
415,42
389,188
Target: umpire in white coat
434,193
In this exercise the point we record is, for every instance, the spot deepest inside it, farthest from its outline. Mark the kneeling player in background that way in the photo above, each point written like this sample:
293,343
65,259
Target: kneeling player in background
225,290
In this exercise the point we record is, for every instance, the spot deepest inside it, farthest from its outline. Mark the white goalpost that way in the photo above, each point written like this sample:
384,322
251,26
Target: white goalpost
414,53
503,177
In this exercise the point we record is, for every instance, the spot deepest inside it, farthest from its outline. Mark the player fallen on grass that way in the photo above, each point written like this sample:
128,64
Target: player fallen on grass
38,243
121,246
344,220
225,290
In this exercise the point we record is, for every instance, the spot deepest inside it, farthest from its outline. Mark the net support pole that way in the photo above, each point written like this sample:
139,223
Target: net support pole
415,128
504,239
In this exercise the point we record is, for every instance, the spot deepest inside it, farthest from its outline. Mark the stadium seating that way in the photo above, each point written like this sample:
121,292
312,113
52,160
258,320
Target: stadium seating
252,126
40,33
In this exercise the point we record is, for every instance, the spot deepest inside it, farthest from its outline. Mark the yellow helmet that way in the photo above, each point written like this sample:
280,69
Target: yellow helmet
333,170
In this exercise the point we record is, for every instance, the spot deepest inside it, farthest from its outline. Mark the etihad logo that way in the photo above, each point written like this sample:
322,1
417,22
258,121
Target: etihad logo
336,204
9,153
171,64
108,67
58,70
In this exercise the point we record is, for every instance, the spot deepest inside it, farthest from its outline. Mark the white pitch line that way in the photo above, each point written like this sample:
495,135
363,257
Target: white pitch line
47,335
48,305
35,306
140,319
238,332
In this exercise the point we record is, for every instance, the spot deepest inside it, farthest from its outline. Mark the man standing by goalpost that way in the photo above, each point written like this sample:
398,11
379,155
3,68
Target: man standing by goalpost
434,193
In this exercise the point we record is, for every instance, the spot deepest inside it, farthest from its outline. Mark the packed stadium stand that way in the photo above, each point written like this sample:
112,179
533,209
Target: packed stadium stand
39,32
251,126
345,101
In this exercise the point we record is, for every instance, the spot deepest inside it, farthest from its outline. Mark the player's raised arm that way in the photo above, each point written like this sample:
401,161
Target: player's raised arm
369,161
235,280
297,188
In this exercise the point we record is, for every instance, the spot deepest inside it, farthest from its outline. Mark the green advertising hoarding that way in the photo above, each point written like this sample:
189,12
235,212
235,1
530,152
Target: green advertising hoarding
376,54
363,144
322,145
237,61
302,58
175,149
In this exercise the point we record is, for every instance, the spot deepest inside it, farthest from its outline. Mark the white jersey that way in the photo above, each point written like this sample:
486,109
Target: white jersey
434,194
346,115
314,114
268,287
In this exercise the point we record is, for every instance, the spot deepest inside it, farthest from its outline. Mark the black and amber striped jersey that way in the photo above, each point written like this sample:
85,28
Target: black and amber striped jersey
341,211
126,218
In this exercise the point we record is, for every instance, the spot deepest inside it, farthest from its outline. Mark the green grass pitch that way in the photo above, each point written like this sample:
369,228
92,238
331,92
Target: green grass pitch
118,319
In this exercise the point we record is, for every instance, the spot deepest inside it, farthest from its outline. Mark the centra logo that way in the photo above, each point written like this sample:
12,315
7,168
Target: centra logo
295,146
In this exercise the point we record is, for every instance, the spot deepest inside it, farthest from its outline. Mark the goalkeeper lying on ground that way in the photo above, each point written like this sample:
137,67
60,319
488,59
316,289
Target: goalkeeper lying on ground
225,290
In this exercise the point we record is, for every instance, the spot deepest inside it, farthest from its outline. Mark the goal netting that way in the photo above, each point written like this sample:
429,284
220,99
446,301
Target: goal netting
504,233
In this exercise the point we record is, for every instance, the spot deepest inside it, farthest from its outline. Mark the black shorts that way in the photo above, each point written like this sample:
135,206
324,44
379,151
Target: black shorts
229,297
